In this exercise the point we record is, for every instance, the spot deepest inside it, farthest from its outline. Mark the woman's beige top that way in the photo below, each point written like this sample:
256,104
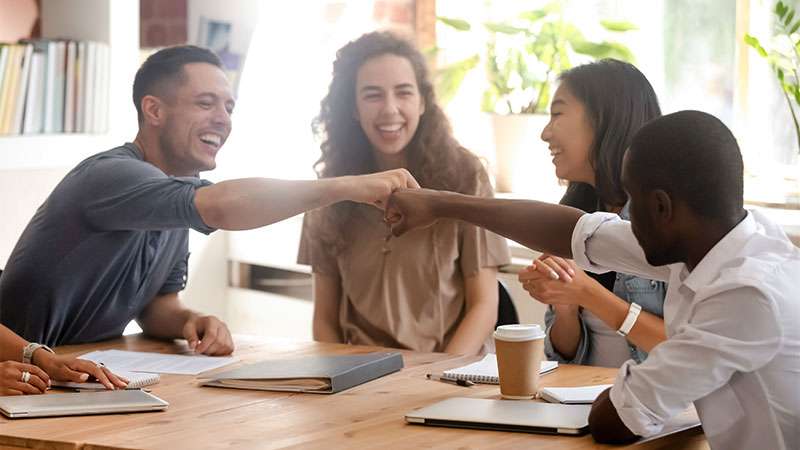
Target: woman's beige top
407,292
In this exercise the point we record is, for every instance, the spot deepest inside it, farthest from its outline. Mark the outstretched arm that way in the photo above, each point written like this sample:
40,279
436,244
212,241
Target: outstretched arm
254,202
537,225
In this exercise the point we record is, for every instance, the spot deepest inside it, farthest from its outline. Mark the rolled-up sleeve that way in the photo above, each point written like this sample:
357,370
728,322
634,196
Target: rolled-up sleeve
699,359
602,242
127,194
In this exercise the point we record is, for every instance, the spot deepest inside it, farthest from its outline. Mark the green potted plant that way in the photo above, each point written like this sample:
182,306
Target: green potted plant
522,57
784,57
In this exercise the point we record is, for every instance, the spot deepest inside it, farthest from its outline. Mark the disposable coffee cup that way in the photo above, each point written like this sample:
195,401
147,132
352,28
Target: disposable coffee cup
520,350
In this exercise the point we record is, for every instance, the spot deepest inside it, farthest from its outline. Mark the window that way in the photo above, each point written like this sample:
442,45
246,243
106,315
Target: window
694,55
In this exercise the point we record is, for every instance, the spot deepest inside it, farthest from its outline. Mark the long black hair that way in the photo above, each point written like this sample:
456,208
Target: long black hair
618,100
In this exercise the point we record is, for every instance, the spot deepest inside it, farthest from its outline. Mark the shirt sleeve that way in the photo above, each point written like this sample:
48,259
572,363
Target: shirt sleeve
176,281
312,250
581,353
699,359
124,194
480,248
602,242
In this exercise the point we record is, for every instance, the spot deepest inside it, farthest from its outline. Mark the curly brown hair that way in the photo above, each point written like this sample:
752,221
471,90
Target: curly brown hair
433,155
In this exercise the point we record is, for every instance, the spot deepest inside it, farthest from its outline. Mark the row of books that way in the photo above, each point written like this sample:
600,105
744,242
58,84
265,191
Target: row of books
54,86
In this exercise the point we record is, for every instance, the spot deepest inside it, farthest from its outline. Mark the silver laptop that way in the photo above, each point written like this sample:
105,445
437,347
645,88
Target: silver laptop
80,403
505,415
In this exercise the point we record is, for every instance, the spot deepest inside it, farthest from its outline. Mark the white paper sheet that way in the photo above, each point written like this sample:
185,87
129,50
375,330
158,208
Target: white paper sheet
157,362
573,395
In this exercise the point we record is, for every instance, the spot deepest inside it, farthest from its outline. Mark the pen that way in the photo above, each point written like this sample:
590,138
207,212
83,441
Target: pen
465,383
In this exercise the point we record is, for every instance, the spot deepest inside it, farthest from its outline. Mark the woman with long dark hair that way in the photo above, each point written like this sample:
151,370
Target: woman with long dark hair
434,289
595,113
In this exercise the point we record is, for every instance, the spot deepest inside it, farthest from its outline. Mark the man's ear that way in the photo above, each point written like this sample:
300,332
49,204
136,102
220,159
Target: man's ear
153,110
662,207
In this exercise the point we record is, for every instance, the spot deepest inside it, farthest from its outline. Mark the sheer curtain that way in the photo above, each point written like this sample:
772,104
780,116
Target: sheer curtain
285,76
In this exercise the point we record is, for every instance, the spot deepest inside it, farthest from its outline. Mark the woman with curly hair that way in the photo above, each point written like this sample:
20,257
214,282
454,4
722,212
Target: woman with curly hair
433,289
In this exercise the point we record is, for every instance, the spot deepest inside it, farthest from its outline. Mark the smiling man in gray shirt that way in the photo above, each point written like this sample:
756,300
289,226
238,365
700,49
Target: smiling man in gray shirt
110,244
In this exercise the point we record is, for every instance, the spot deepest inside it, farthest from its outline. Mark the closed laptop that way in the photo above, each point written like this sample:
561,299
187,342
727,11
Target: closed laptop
80,403
504,415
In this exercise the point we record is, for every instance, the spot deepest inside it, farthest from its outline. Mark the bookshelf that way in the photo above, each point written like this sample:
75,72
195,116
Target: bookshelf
31,165
115,23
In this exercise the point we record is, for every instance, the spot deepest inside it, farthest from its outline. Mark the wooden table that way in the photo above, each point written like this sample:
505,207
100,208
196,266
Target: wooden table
367,416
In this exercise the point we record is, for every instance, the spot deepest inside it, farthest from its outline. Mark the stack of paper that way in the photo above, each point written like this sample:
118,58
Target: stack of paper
573,395
120,360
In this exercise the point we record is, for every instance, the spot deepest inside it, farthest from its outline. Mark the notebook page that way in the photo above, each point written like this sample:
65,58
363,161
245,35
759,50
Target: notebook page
136,380
485,370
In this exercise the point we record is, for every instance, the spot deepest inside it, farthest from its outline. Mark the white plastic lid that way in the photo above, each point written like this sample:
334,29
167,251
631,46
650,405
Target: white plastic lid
520,332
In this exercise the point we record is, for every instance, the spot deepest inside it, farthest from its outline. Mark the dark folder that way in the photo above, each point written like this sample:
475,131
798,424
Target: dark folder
315,374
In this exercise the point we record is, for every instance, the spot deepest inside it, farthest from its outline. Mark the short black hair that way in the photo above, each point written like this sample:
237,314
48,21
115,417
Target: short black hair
618,101
166,65
692,156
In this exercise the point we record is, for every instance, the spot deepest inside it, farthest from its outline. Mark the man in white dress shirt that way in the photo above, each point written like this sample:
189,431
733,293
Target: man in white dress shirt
732,309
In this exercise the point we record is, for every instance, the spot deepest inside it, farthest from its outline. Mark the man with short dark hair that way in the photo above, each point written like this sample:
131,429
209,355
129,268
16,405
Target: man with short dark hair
731,310
110,243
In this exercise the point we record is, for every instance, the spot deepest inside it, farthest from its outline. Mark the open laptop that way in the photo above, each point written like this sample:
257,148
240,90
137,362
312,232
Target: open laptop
80,403
505,415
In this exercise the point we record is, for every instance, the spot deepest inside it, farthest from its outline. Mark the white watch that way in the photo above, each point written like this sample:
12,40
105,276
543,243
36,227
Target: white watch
27,352
630,319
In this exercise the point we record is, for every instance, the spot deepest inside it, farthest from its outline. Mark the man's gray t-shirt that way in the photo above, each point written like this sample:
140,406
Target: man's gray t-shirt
110,237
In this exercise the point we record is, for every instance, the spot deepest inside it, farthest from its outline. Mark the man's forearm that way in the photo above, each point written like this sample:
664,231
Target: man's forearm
255,202
605,424
537,225
164,317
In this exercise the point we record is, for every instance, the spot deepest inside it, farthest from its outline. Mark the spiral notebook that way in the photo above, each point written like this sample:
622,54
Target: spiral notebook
136,380
485,370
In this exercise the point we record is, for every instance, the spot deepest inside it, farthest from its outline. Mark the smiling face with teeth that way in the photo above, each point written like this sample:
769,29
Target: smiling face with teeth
195,120
571,136
388,106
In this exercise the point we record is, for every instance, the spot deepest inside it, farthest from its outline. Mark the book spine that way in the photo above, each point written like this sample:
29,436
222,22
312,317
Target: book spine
366,372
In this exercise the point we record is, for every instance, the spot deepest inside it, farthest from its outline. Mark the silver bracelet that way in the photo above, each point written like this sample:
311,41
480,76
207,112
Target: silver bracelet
27,352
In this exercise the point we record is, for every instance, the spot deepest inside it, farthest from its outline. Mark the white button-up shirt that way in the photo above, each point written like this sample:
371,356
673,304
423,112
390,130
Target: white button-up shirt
733,328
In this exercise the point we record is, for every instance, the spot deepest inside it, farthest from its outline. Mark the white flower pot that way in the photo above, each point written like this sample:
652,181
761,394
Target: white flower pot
523,164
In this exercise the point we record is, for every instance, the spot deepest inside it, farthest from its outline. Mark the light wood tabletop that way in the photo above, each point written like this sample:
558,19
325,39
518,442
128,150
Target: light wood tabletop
367,416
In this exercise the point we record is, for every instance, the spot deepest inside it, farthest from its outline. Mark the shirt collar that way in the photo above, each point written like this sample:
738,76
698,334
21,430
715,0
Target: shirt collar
722,252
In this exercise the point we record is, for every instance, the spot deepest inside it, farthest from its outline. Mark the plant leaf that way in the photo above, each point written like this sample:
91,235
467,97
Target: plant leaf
618,26
753,42
599,50
788,19
503,28
780,9
458,24
534,16
449,79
